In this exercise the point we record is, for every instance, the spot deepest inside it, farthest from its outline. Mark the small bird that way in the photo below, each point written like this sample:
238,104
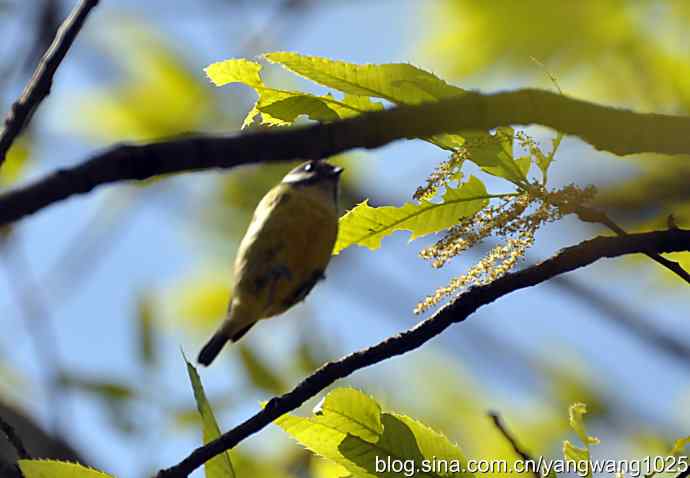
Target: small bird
284,252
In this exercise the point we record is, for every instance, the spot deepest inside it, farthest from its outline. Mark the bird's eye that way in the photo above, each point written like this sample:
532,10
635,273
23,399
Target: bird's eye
309,167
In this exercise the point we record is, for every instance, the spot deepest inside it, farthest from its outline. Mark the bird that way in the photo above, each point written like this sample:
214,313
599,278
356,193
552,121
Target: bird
284,252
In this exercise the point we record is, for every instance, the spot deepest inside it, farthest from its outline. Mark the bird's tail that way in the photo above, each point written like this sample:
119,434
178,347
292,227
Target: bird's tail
231,330
212,348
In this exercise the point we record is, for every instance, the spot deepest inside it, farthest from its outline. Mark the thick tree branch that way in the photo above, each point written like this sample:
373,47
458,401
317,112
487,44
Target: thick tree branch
13,438
567,259
42,80
615,130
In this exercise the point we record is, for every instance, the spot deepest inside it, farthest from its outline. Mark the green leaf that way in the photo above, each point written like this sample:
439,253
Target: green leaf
362,103
366,226
433,444
236,70
397,82
259,373
494,154
351,410
57,469
678,445
106,390
146,328
282,107
289,108
575,453
320,468
220,466
116,398
676,450
15,164
349,429
155,95
524,163
571,452
544,161
576,412
352,105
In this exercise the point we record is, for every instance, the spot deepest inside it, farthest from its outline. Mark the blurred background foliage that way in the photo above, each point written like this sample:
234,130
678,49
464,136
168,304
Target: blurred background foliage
623,53
103,291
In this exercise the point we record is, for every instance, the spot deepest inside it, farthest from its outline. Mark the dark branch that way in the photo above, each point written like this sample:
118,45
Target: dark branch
615,130
566,260
42,80
526,457
592,215
13,438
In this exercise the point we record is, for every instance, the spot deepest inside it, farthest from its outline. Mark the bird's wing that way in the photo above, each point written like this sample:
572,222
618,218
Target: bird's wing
285,248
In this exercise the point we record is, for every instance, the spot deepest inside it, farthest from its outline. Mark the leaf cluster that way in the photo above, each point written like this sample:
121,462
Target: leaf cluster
461,205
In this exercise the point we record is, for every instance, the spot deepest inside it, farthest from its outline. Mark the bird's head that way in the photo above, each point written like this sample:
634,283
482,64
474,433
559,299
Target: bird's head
318,177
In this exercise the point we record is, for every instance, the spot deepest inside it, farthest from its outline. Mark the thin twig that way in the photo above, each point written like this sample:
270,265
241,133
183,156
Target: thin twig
630,319
592,215
14,439
38,325
526,457
611,129
566,260
42,80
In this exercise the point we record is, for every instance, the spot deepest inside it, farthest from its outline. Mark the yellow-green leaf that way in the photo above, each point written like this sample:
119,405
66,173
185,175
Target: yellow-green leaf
219,466
321,468
524,163
366,226
399,83
352,105
576,412
235,70
351,410
281,107
396,82
581,456
259,372
362,103
156,95
201,300
290,107
494,154
544,161
146,330
15,163
678,445
349,429
57,469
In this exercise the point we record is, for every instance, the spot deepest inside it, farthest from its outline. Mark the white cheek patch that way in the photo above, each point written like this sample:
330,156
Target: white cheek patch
299,177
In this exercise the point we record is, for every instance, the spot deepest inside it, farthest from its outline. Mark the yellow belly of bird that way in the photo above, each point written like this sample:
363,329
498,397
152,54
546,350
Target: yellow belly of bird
283,254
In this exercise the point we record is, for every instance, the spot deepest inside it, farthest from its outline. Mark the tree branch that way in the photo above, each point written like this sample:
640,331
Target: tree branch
611,129
587,214
526,457
13,438
567,259
42,80
629,319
